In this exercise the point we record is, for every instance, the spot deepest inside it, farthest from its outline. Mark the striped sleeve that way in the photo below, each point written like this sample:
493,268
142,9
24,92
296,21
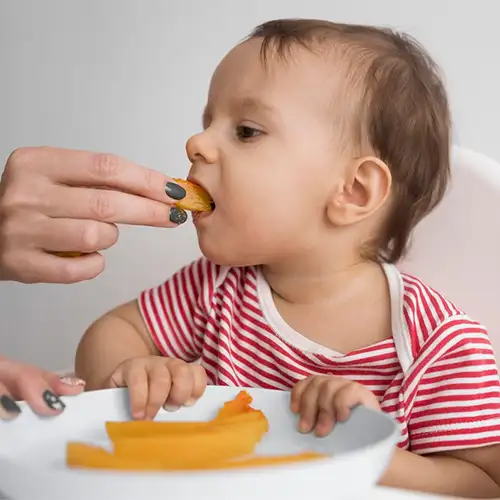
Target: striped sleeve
453,390
176,312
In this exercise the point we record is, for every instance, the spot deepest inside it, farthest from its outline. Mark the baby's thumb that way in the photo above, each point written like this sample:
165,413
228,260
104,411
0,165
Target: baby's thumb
68,386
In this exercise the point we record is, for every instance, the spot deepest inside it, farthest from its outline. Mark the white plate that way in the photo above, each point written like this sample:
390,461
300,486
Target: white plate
32,454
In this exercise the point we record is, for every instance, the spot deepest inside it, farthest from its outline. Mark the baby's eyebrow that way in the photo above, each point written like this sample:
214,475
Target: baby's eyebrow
251,104
242,105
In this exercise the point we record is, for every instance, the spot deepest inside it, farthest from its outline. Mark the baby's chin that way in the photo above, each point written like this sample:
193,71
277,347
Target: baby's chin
224,256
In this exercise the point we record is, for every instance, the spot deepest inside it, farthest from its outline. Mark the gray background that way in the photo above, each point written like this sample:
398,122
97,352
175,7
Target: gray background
131,78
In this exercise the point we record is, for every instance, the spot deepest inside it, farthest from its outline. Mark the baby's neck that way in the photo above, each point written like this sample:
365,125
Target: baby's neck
313,283
323,302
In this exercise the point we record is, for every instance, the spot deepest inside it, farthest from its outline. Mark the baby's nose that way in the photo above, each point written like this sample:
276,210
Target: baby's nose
201,148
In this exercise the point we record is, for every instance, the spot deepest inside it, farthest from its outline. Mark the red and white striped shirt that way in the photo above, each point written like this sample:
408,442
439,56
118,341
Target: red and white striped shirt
437,375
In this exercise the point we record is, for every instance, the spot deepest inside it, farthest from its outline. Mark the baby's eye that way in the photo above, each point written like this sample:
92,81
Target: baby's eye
245,133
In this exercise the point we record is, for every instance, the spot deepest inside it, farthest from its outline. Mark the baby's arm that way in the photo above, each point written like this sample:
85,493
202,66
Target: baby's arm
470,473
149,345
452,396
119,335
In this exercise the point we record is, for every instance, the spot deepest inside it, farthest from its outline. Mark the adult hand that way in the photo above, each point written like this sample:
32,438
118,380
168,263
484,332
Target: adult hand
40,389
59,200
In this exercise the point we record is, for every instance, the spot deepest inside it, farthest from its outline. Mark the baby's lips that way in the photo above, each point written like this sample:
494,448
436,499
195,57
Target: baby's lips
196,199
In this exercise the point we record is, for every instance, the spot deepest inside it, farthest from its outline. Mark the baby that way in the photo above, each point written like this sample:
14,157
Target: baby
323,145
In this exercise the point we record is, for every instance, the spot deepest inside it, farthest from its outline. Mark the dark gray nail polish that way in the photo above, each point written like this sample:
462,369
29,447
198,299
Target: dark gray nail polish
177,215
175,191
9,405
52,401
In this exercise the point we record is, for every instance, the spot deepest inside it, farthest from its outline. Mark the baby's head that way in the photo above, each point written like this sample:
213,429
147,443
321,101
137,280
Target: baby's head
320,141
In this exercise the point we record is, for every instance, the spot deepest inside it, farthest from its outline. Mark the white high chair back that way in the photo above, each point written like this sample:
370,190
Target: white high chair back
456,249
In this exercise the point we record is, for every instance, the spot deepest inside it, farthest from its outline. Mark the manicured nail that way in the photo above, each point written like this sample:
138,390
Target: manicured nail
52,401
175,191
178,216
190,402
9,409
170,408
73,381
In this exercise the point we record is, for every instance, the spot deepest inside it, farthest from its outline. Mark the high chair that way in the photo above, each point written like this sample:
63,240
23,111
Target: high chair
456,249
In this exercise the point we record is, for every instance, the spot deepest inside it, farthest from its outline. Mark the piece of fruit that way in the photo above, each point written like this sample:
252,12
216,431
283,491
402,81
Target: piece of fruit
196,199
228,441
136,429
68,254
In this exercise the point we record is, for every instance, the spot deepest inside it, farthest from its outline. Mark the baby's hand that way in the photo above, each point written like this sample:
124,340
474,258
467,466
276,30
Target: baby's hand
155,381
323,400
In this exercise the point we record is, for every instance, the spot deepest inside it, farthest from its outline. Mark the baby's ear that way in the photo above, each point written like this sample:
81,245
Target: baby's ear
366,187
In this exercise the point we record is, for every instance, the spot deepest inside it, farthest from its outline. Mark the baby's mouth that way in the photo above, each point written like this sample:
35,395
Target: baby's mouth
197,198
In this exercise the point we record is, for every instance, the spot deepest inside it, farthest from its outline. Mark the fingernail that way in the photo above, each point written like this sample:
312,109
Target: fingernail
138,415
178,216
190,402
304,426
8,408
52,401
171,408
73,381
175,191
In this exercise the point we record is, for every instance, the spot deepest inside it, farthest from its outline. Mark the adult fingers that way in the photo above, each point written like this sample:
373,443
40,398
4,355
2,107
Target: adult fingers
66,386
86,236
111,206
33,387
85,168
9,409
37,266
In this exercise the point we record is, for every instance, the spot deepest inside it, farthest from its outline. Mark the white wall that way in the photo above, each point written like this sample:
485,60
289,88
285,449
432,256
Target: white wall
131,78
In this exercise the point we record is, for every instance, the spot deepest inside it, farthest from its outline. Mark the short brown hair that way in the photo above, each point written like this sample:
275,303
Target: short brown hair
403,112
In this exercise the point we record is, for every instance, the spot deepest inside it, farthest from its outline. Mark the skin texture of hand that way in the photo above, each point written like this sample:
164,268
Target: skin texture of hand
320,401
323,400
58,200
39,388
155,381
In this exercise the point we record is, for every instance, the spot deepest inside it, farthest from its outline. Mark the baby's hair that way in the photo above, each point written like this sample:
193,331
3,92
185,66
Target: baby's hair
403,112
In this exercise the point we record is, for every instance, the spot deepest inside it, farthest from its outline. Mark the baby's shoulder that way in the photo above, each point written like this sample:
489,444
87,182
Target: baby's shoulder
430,316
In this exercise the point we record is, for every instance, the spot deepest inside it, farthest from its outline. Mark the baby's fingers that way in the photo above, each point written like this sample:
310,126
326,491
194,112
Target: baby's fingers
352,395
296,394
309,406
326,414
199,384
160,383
135,378
182,384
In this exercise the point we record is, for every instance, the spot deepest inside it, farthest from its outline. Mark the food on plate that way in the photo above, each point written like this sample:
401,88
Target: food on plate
225,442
196,199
